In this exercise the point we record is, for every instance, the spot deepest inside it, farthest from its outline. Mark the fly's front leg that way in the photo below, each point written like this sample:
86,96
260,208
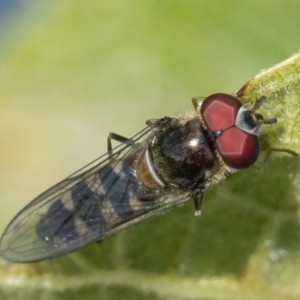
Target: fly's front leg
288,151
197,102
269,153
118,138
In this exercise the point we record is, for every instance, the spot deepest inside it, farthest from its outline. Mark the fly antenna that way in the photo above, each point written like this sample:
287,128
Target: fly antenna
258,103
269,121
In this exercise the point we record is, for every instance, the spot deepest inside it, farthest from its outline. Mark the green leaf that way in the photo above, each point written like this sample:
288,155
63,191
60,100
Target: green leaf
281,86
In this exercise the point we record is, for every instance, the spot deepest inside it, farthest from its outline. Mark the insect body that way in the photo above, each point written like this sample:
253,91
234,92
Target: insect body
167,163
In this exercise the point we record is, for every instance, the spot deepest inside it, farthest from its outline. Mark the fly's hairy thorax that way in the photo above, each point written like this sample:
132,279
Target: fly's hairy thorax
181,157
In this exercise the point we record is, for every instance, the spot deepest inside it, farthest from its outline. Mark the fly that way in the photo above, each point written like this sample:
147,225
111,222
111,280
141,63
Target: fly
167,163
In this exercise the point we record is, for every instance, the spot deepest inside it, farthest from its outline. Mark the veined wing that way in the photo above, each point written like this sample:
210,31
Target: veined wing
92,203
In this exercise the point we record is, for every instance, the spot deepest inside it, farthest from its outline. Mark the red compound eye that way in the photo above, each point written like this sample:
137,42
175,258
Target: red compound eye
238,149
219,111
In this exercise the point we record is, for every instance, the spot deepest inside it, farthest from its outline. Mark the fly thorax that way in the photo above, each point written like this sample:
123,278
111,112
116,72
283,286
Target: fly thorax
182,155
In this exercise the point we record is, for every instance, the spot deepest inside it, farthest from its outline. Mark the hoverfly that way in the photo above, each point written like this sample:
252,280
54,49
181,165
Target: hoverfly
170,161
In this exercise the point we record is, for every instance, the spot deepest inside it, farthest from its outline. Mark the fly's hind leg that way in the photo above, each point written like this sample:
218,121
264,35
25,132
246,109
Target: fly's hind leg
118,138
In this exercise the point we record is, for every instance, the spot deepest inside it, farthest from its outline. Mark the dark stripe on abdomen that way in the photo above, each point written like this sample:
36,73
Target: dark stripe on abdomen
57,222
87,205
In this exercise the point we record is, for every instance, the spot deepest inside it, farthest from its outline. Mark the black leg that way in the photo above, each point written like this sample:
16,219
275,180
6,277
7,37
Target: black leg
197,204
118,138
162,122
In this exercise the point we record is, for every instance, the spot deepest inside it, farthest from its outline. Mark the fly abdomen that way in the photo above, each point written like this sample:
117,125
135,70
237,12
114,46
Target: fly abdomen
73,215
146,172
109,197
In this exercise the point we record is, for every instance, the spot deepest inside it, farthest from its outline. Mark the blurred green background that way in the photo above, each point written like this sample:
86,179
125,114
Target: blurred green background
73,71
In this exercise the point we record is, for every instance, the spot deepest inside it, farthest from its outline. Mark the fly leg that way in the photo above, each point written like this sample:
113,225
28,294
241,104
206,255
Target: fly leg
268,154
197,204
150,122
162,122
118,138
197,102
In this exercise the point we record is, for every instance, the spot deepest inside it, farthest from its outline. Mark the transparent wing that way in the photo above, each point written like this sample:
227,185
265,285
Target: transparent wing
94,202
